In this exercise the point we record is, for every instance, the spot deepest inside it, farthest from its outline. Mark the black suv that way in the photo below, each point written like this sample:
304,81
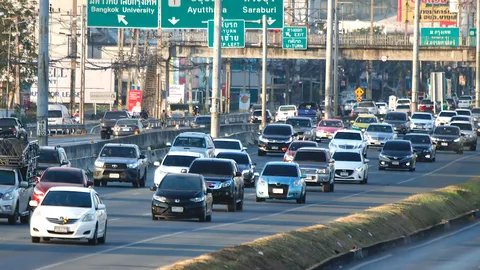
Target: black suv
245,165
399,121
109,121
224,179
448,138
275,138
11,127
52,156
397,154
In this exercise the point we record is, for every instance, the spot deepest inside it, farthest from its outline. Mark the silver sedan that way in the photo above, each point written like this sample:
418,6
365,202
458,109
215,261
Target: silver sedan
378,134
126,127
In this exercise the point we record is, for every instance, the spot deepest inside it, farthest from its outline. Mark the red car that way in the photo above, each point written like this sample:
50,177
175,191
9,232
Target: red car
60,176
426,105
327,127
294,146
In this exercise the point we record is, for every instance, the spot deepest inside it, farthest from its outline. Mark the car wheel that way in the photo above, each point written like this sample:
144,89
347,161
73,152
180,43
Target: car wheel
240,205
94,239
412,169
26,219
96,183
257,199
433,159
365,179
304,201
261,153
473,147
46,239
104,183
12,220
460,151
332,187
35,239
143,180
231,207
108,136
326,187
135,184
154,217
381,168
102,135
203,217
102,239
209,218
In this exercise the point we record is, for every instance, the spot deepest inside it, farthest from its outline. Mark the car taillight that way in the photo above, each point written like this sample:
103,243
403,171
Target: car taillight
63,121
276,114
116,128
137,130
295,113
14,130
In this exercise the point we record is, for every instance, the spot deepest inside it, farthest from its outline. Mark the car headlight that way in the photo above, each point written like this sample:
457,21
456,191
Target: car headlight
297,183
262,139
359,169
88,218
132,165
332,145
197,199
227,183
289,140
382,156
322,171
99,164
408,157
261,182
8,196
457,140
159,198
308,133
245,172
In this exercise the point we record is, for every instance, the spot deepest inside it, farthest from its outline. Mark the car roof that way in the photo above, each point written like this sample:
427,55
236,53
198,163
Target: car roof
366,116
279,125
232,153
349,131
70,188
49,148
417,134
449,111
186,175
120,144
299,118
468,110
358,151
332,120
226,140
192,134
64,169
281,163
421,113
398,142
302,141
214,160
380,124
461,122
397,113
184,153
312,149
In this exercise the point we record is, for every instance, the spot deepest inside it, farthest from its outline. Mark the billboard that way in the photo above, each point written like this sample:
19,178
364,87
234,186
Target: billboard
176,93
135,101
431,11
244,101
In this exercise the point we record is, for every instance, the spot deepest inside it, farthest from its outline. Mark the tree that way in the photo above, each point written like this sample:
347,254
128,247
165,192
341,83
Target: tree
21,15
366,30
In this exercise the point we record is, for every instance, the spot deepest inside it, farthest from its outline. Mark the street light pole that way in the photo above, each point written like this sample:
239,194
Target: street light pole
264,72
217,66
415,68
328,61
43,61
477,60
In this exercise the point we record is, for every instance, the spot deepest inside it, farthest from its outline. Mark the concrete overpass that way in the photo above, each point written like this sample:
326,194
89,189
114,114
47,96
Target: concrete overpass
352,47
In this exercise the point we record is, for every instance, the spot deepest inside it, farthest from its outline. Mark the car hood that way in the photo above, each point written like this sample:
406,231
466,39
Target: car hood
117,160
421,146
242,167
282,180
302,129
211,178
467,132
220,150
329,129
179,194
395,122
45,186
44,166
422,121
170,169
347,143
445,137
306,164
5,189
361,125
381,135
395,153
187,149
62,212
444,118
347,165
276,137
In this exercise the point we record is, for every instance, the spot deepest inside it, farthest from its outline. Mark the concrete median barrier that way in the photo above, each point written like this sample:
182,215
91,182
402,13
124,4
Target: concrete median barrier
350,238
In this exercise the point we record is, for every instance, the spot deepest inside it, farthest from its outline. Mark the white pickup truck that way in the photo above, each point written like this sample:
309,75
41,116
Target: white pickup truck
284,112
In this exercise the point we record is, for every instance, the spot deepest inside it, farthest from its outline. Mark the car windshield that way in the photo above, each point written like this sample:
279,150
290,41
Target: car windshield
67,199
115,115
119,151
422,116
295,122
178,161
403,101
297,145
259,113
465,98
381,105
203,120
447,130
308,106
366,120
227,145
380,128
326,123
397,146
278,130
418,139
464,113
403,107
179,182
280,170
447,114
459,118
462,126
367,104
63,176
7,122
239,158
348,136
127,122
207,167
190,142
396,116
48,156
426,102
310,156
7,178
286,108
347,156
55,114
476,110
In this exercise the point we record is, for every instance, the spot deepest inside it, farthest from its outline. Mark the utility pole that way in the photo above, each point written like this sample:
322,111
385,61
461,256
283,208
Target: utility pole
477,59
415,68
372,19
83,36
17,66
217,67
43,68
7,101
207,86
137,58
328,61
264,71
158,93
190,85
120,69
129,70
228,79
335,62
287,82
73,57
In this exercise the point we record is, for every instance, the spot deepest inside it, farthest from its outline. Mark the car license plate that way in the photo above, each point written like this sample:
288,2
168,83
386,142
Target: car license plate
177,209
114,175
202,126
444,144
377,143
395,163
125,129
343,174
277,191
60,229
274,147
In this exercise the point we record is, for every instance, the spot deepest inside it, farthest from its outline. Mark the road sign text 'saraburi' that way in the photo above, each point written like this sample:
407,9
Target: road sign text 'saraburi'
123,13
192,14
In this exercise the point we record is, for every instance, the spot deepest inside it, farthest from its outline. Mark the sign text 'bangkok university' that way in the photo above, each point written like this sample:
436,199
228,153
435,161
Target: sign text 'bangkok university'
123,13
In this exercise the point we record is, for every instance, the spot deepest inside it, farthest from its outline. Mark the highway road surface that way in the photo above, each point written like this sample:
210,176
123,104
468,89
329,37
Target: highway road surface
456,250
135,241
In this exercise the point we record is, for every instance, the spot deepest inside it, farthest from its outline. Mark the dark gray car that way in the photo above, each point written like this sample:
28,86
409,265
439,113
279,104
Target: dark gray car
399,121
303,127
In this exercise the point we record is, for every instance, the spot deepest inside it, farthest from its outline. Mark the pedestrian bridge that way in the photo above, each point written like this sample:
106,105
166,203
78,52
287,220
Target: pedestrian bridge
351,47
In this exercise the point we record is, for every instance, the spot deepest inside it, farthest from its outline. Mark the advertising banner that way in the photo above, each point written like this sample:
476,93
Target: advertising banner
244,102
431,11
176,93
135,101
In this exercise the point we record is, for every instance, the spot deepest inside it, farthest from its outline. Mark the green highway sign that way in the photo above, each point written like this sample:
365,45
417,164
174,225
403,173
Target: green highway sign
233,33
472,36
440,37
194,14
472,32
295,38
123,14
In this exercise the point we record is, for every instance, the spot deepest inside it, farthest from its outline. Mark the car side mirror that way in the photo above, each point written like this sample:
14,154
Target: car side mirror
142,157
367,160
65,162
156,163
244,149
89,183
238,174
256,175
154,188
168,144
295,134
95,155
101,207
24,184
303,176
183,171
331,161
33,203
462,134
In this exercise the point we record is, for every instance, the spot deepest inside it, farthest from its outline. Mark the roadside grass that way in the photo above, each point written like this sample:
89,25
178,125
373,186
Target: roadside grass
305,247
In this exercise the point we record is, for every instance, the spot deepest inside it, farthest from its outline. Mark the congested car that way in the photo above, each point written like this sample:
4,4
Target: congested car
127,127
317,167
464,112
11,127
348,106
444,117
304,127
60,176
461,118
404,101
256,116
448,138
245,165
228,145
369,106
426,105
363,121
422,145
404,108
476,119
284,112
465,102
399,121
422,122
202,121
468,132
397,154
194,142
52,156
282,181
183,196
327,127
294,146
348,139
70,213
310,110
173,162
275,138
382,108
378,134
450,104
350,165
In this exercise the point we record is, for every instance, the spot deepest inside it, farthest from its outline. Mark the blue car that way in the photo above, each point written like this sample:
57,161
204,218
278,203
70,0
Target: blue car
282,181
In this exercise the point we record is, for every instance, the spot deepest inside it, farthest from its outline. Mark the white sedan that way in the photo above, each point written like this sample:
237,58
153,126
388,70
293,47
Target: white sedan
348,139
350,165
74,213
228,145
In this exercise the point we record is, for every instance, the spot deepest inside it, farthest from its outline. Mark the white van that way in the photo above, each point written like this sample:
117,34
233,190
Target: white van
58,115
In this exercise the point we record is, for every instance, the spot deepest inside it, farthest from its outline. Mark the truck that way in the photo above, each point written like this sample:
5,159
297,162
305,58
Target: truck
18,165
108,121
310,110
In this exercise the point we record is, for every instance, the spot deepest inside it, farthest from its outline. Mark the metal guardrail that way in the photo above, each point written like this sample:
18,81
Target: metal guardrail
254,39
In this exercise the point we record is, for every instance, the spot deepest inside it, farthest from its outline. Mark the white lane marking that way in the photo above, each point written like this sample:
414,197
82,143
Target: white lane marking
225,224
113,219
135,193
415,247
146,214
